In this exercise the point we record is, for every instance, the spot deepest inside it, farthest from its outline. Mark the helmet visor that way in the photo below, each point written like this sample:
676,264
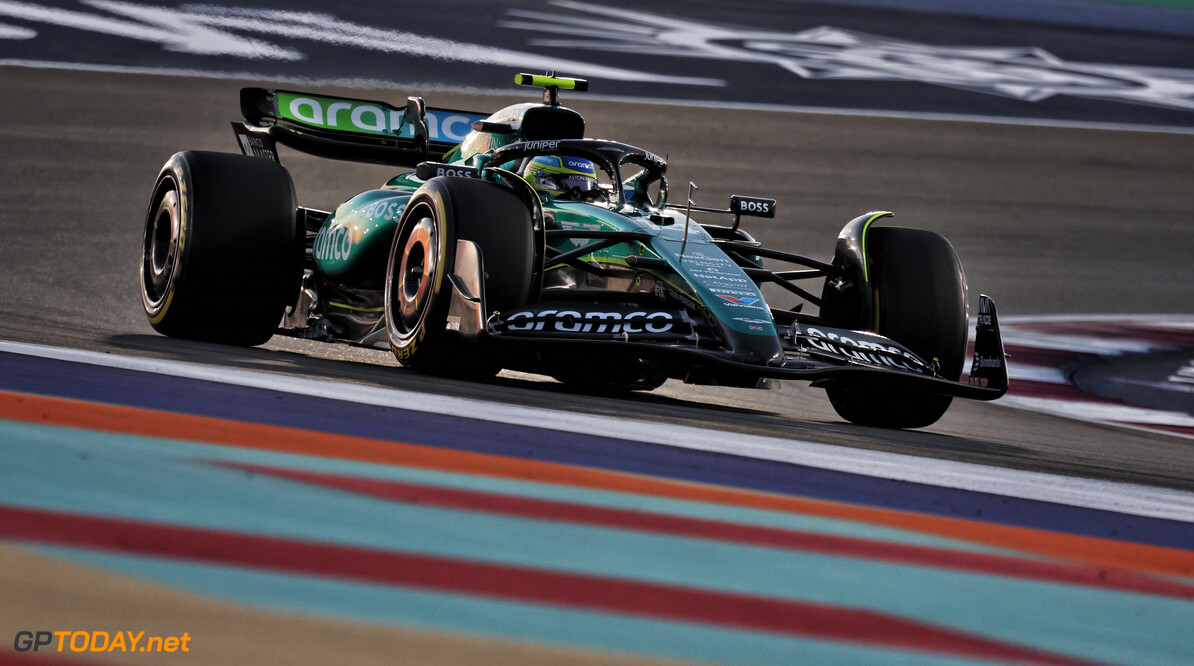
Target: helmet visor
582,183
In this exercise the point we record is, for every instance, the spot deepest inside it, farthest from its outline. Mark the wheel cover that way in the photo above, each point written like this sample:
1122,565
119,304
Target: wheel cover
161,250
420,257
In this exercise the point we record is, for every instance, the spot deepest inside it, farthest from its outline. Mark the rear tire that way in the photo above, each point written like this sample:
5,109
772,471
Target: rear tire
221,252
920,296
418,289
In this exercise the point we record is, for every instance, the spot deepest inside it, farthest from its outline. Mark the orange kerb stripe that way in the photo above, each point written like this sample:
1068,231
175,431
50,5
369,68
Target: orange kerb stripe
150,423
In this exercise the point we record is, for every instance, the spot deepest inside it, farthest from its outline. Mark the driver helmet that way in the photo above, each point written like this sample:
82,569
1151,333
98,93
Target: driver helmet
560,175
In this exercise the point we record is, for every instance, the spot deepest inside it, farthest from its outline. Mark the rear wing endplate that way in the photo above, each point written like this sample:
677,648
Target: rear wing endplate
348,129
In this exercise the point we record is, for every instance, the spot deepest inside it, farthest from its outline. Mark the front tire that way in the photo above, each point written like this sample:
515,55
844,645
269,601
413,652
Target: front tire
221,251
920,296
422,257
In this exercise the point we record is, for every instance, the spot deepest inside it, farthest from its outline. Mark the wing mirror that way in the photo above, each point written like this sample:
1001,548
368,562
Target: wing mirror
752,206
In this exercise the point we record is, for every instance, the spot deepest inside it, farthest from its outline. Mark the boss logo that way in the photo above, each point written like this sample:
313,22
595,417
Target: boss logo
383,210
754,206
429,170
459,173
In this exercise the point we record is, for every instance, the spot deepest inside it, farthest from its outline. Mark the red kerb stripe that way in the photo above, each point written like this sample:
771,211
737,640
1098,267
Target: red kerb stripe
796,540
781,616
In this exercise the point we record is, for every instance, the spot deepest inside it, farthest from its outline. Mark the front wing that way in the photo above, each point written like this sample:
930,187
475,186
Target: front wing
709,364
820,354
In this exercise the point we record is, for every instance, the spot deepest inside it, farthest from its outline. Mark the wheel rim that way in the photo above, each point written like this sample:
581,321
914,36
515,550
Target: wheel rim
161,249
416,271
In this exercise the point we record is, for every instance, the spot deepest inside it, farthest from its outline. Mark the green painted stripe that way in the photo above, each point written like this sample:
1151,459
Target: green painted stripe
346,306
865,228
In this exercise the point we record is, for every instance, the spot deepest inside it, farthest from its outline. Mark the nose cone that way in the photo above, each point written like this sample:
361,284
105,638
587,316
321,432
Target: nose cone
755,349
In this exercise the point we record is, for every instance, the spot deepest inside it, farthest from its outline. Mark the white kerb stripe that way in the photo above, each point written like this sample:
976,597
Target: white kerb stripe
1095,494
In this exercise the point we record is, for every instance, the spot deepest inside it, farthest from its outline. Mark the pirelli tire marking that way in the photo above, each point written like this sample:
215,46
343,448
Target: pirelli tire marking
161,307
405,343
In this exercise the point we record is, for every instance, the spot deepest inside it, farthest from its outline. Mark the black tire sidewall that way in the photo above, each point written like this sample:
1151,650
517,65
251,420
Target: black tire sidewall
921,302
239,257
920,292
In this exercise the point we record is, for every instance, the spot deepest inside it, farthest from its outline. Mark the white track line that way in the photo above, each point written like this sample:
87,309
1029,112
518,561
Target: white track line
1105,495
414,88
1086,344
1036,373
1023,332
1170,320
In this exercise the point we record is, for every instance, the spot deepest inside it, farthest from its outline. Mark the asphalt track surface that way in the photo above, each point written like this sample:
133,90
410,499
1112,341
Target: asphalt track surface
1046,220
1063,60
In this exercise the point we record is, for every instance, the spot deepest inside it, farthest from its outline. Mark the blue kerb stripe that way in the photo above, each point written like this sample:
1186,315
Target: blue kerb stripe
189,396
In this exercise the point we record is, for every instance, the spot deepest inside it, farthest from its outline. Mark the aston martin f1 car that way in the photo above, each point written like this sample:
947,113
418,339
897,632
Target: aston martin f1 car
465,264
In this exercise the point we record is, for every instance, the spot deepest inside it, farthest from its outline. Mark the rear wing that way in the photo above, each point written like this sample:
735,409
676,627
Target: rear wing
343,128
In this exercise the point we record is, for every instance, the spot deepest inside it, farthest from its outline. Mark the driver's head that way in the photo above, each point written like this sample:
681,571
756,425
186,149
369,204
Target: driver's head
560,176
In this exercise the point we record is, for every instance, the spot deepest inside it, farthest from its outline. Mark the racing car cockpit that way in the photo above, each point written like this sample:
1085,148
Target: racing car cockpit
563,177
617,161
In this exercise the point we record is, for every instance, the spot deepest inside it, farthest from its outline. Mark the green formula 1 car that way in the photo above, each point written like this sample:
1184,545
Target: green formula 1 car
517,243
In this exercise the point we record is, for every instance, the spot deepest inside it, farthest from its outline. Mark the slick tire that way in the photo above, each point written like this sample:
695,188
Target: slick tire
221,252
422,257
920,295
